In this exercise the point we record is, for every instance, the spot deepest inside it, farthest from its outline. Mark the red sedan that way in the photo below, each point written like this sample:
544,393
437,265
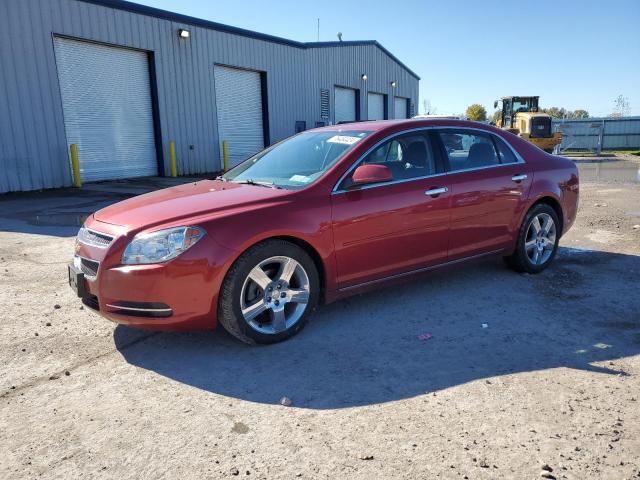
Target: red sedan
321,215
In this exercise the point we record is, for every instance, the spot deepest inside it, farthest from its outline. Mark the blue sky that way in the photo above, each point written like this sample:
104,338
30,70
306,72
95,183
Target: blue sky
574,54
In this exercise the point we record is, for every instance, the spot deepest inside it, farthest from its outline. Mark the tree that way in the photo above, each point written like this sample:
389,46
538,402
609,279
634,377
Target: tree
428,108
496,116
555,112
476,112
578,114
621,107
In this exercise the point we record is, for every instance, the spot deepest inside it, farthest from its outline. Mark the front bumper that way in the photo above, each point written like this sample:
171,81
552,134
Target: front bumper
180,295
159,297
186,296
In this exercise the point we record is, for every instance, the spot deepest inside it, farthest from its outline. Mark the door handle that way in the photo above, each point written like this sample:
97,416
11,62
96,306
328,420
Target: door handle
519,178
436,191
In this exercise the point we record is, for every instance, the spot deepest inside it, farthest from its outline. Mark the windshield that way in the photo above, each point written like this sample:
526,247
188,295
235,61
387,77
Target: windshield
524,104
297,161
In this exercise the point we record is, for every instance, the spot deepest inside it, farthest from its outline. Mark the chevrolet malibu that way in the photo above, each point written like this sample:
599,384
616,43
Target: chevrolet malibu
324,214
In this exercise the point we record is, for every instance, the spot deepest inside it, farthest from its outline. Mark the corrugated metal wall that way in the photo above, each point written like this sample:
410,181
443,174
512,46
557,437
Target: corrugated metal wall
33,146
586,133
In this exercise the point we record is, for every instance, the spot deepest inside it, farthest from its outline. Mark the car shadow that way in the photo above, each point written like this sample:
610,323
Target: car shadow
473,322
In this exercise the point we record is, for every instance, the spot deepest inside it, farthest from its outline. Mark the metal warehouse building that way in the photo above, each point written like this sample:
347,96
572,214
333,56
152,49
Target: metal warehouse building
122,81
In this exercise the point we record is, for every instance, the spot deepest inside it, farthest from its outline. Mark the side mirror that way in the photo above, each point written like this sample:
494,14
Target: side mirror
495,104
367,174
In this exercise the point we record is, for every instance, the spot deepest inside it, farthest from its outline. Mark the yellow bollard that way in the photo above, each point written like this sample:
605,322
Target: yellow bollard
172,159
75,165
225,155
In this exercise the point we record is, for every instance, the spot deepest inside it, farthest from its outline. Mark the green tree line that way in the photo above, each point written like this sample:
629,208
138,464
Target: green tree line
553,112
478,113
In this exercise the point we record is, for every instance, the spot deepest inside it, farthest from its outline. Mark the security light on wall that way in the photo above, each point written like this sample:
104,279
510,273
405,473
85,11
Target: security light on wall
364,77
182,33
393,83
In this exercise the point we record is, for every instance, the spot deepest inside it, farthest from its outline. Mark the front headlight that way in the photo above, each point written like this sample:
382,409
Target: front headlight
161,246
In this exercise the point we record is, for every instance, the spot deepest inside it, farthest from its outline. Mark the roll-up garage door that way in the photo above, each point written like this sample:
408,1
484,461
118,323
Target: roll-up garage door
239,105
400,109
345,105
375,102
106,103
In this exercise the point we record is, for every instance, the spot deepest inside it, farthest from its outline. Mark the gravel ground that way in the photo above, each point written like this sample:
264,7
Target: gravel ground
550,380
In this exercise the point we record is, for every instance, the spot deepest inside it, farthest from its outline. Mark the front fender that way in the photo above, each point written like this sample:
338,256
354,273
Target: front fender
307,220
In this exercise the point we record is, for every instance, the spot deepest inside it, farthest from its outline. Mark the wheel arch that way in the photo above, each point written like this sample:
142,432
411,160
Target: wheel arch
313,253
543,198
553,203
305,245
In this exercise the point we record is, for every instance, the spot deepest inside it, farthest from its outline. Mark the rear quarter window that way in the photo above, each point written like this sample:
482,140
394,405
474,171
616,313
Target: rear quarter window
505,153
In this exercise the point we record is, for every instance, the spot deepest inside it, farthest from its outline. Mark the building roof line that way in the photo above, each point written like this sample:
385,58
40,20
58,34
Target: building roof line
363,42
199,22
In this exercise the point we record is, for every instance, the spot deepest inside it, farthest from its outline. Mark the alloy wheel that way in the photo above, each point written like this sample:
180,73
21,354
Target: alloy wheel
540,240
275,295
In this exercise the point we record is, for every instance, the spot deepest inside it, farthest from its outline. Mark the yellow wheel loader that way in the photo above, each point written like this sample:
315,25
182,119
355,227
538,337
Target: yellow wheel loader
520,115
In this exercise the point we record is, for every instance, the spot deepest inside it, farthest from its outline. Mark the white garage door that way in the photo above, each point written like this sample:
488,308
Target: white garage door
106,102
345,105
400,109
375,102
239,105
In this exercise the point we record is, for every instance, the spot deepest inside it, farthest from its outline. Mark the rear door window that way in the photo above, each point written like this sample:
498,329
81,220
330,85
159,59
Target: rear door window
468,150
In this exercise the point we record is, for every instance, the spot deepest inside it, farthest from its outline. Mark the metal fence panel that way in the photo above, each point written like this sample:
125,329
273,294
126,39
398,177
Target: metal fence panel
608,133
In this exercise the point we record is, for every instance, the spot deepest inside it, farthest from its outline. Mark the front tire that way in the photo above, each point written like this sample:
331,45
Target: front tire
269,293
537,242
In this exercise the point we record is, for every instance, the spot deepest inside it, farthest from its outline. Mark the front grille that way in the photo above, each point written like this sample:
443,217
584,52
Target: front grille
89,267
540,127
94,239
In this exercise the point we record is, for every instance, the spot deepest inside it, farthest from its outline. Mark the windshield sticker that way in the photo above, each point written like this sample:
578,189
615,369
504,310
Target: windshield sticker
344,139
300,178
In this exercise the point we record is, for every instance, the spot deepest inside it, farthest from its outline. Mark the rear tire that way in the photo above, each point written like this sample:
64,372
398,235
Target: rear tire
537,242
269,293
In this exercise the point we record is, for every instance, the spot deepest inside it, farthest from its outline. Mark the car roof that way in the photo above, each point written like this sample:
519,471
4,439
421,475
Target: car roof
382,125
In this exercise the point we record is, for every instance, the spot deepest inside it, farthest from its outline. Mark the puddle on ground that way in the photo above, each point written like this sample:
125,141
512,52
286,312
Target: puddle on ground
58,220
619,171
569,251
610,159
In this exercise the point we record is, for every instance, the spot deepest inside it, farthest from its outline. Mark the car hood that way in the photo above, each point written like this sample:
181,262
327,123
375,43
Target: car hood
185,201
